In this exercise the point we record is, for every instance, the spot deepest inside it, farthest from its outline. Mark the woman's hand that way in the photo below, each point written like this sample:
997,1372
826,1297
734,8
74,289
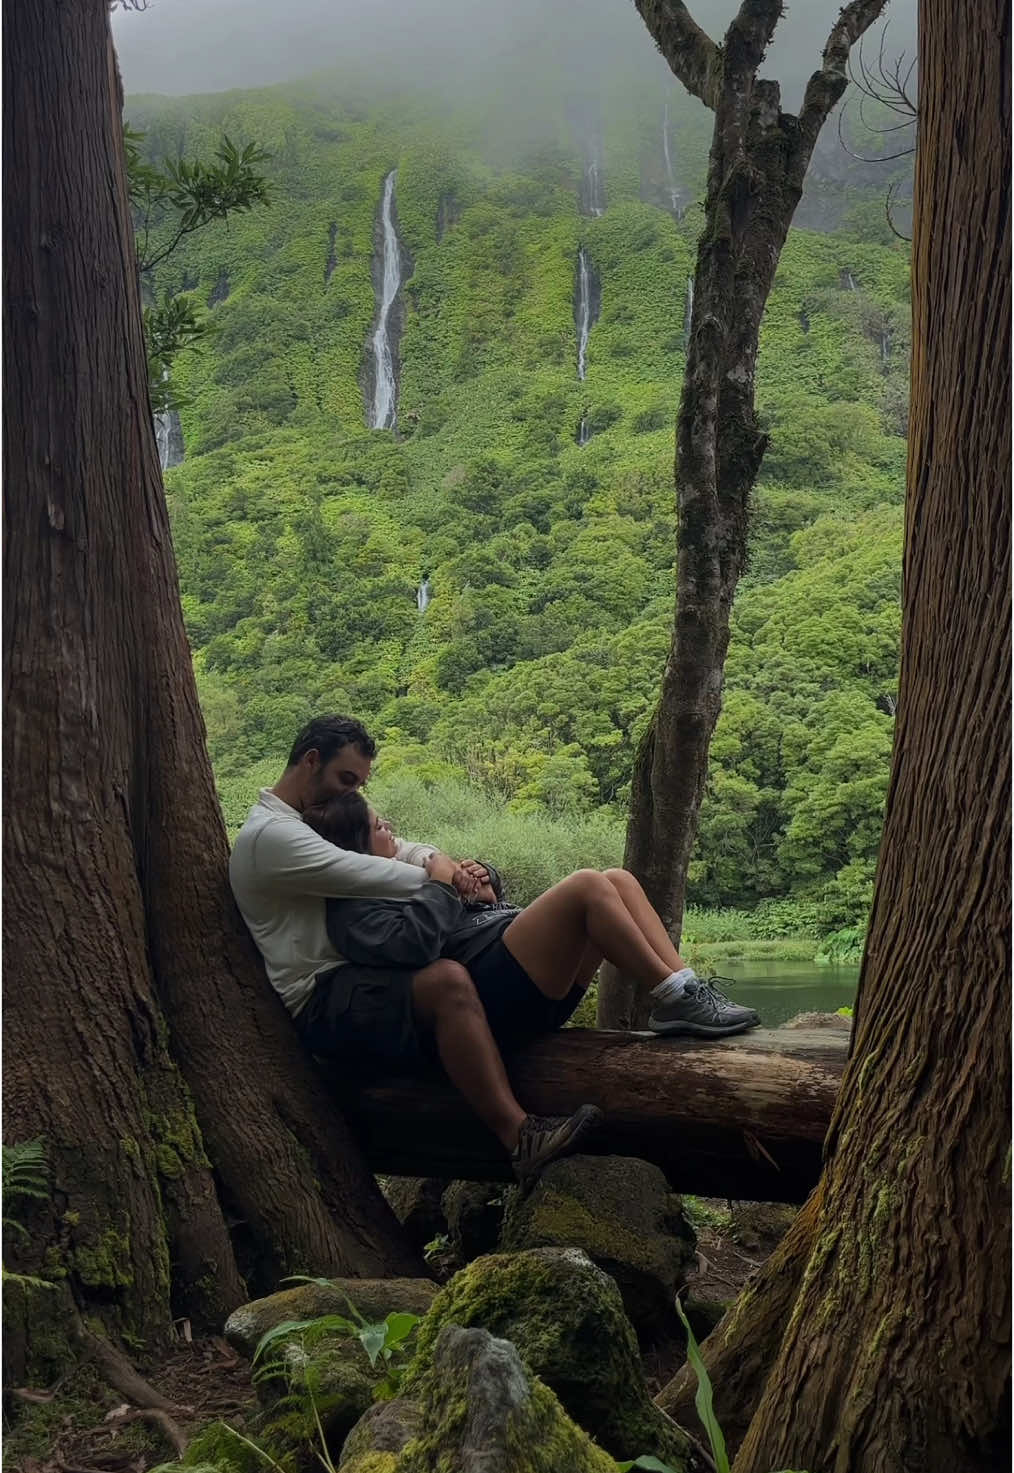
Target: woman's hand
447,871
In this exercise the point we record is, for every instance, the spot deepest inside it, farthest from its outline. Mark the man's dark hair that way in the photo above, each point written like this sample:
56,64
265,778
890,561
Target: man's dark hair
328,734
343,820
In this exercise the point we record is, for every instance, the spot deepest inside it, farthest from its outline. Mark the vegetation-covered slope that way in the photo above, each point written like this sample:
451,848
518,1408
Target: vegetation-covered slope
302,535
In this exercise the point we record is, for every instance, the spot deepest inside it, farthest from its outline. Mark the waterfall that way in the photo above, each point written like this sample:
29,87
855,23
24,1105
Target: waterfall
885,345
584,311
594,190
383,415
423,595
848,281
674,194
168,434
583,431
688,311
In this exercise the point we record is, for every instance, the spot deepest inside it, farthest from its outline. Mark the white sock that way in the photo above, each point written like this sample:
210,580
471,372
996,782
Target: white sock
674,985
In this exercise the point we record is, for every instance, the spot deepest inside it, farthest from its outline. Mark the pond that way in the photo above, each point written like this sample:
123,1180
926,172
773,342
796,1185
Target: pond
781,989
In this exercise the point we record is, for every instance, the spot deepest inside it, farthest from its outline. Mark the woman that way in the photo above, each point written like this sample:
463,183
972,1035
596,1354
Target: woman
530,967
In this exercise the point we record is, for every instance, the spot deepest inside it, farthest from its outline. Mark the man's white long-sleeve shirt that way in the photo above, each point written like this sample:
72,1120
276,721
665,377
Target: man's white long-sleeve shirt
282,873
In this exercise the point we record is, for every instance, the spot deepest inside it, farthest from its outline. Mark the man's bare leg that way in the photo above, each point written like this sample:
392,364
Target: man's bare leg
444,999
549,938
645,916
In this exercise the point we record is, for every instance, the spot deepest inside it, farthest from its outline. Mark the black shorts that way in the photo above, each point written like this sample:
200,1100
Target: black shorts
517,1011
362,1017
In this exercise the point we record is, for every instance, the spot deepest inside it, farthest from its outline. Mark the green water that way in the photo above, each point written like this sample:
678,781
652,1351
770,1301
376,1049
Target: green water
781,989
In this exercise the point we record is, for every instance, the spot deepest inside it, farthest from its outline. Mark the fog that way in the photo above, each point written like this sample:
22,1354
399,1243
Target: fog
184,46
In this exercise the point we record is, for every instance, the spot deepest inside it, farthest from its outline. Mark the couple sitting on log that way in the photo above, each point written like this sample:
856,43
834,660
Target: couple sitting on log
388,954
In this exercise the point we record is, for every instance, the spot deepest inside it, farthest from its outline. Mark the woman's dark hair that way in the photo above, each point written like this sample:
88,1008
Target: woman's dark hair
328,734
343,820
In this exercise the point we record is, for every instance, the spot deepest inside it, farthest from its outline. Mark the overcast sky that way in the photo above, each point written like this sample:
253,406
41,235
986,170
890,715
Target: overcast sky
181,46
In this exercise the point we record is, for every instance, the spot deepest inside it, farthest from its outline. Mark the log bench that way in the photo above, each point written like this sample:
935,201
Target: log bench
742,1118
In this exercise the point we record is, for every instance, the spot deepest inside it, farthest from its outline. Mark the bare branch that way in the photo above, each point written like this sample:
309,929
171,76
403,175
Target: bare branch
892,191
827,85
692,55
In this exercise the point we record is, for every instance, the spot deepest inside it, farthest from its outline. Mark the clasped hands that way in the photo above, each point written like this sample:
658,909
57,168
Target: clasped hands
468,876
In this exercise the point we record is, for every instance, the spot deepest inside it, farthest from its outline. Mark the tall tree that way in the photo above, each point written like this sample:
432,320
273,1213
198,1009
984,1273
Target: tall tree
143,1043
759,157
892,1298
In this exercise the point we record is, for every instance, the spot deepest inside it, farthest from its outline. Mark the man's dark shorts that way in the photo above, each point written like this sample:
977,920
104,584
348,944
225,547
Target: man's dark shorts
363,1018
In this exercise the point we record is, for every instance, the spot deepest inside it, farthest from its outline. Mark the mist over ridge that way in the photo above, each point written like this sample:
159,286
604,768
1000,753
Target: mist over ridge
178,47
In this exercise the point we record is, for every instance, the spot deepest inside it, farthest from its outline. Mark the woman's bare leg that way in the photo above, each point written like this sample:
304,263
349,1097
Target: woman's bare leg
549,938
646,917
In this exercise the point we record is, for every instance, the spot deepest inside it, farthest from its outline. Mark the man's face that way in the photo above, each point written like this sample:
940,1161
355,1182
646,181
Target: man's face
347,771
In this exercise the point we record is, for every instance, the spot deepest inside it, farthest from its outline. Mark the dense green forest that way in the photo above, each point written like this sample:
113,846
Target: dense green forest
302,535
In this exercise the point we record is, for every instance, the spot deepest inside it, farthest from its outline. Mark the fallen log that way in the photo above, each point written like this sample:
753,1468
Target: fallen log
742,1118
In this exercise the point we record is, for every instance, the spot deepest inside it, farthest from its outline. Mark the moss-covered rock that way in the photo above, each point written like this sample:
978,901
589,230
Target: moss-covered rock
623,1214
415,1202
384,1429
566,1318
373,1298
324,1394
480,1409
474,1212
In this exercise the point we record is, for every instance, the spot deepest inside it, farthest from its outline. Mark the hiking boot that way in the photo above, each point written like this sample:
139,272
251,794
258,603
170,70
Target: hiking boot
545,1138
701,1010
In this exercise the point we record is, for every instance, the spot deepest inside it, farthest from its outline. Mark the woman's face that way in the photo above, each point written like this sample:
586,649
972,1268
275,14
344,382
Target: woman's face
381,837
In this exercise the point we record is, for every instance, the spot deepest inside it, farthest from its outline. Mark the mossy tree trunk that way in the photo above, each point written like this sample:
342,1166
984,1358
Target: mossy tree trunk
897,1353
141,1035
759,157
896,1347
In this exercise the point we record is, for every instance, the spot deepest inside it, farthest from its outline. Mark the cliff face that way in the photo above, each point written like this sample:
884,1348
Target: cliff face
538,498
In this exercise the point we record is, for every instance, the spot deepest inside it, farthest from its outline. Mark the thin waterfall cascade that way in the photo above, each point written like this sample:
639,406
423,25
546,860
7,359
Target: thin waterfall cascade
587,304
675,198
168,435
424,594
885,345
592,194
583,431
848,281
688,311
384,410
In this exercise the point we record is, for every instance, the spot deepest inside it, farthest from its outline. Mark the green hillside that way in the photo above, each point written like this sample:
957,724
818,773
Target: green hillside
302,535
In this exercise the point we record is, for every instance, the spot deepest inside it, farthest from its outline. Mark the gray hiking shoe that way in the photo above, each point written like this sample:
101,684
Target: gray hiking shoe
546,1138
702,1011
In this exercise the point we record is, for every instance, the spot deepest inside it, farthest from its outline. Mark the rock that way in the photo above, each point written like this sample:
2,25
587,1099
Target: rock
832,1021
566,1318
373,1298
474,1211
415,1201
760,1226
623,1214
385,1428
482,1411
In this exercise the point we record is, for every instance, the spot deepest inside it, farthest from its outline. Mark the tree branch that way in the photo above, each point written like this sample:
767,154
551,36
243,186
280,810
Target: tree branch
827,85
749,35
692,55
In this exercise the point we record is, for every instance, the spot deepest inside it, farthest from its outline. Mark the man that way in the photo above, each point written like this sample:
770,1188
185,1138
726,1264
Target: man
282,873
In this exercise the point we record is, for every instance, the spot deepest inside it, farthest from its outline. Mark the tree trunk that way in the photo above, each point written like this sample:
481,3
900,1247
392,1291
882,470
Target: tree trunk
743,1118
130,988
897,1354
740,1350
759,157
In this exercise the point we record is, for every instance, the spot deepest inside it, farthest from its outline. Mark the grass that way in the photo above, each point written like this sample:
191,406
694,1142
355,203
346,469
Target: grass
784,949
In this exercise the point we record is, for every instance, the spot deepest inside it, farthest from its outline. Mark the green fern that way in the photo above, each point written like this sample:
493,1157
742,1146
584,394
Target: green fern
25,1174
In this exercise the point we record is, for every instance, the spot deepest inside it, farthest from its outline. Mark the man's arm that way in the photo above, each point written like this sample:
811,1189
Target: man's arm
291,859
